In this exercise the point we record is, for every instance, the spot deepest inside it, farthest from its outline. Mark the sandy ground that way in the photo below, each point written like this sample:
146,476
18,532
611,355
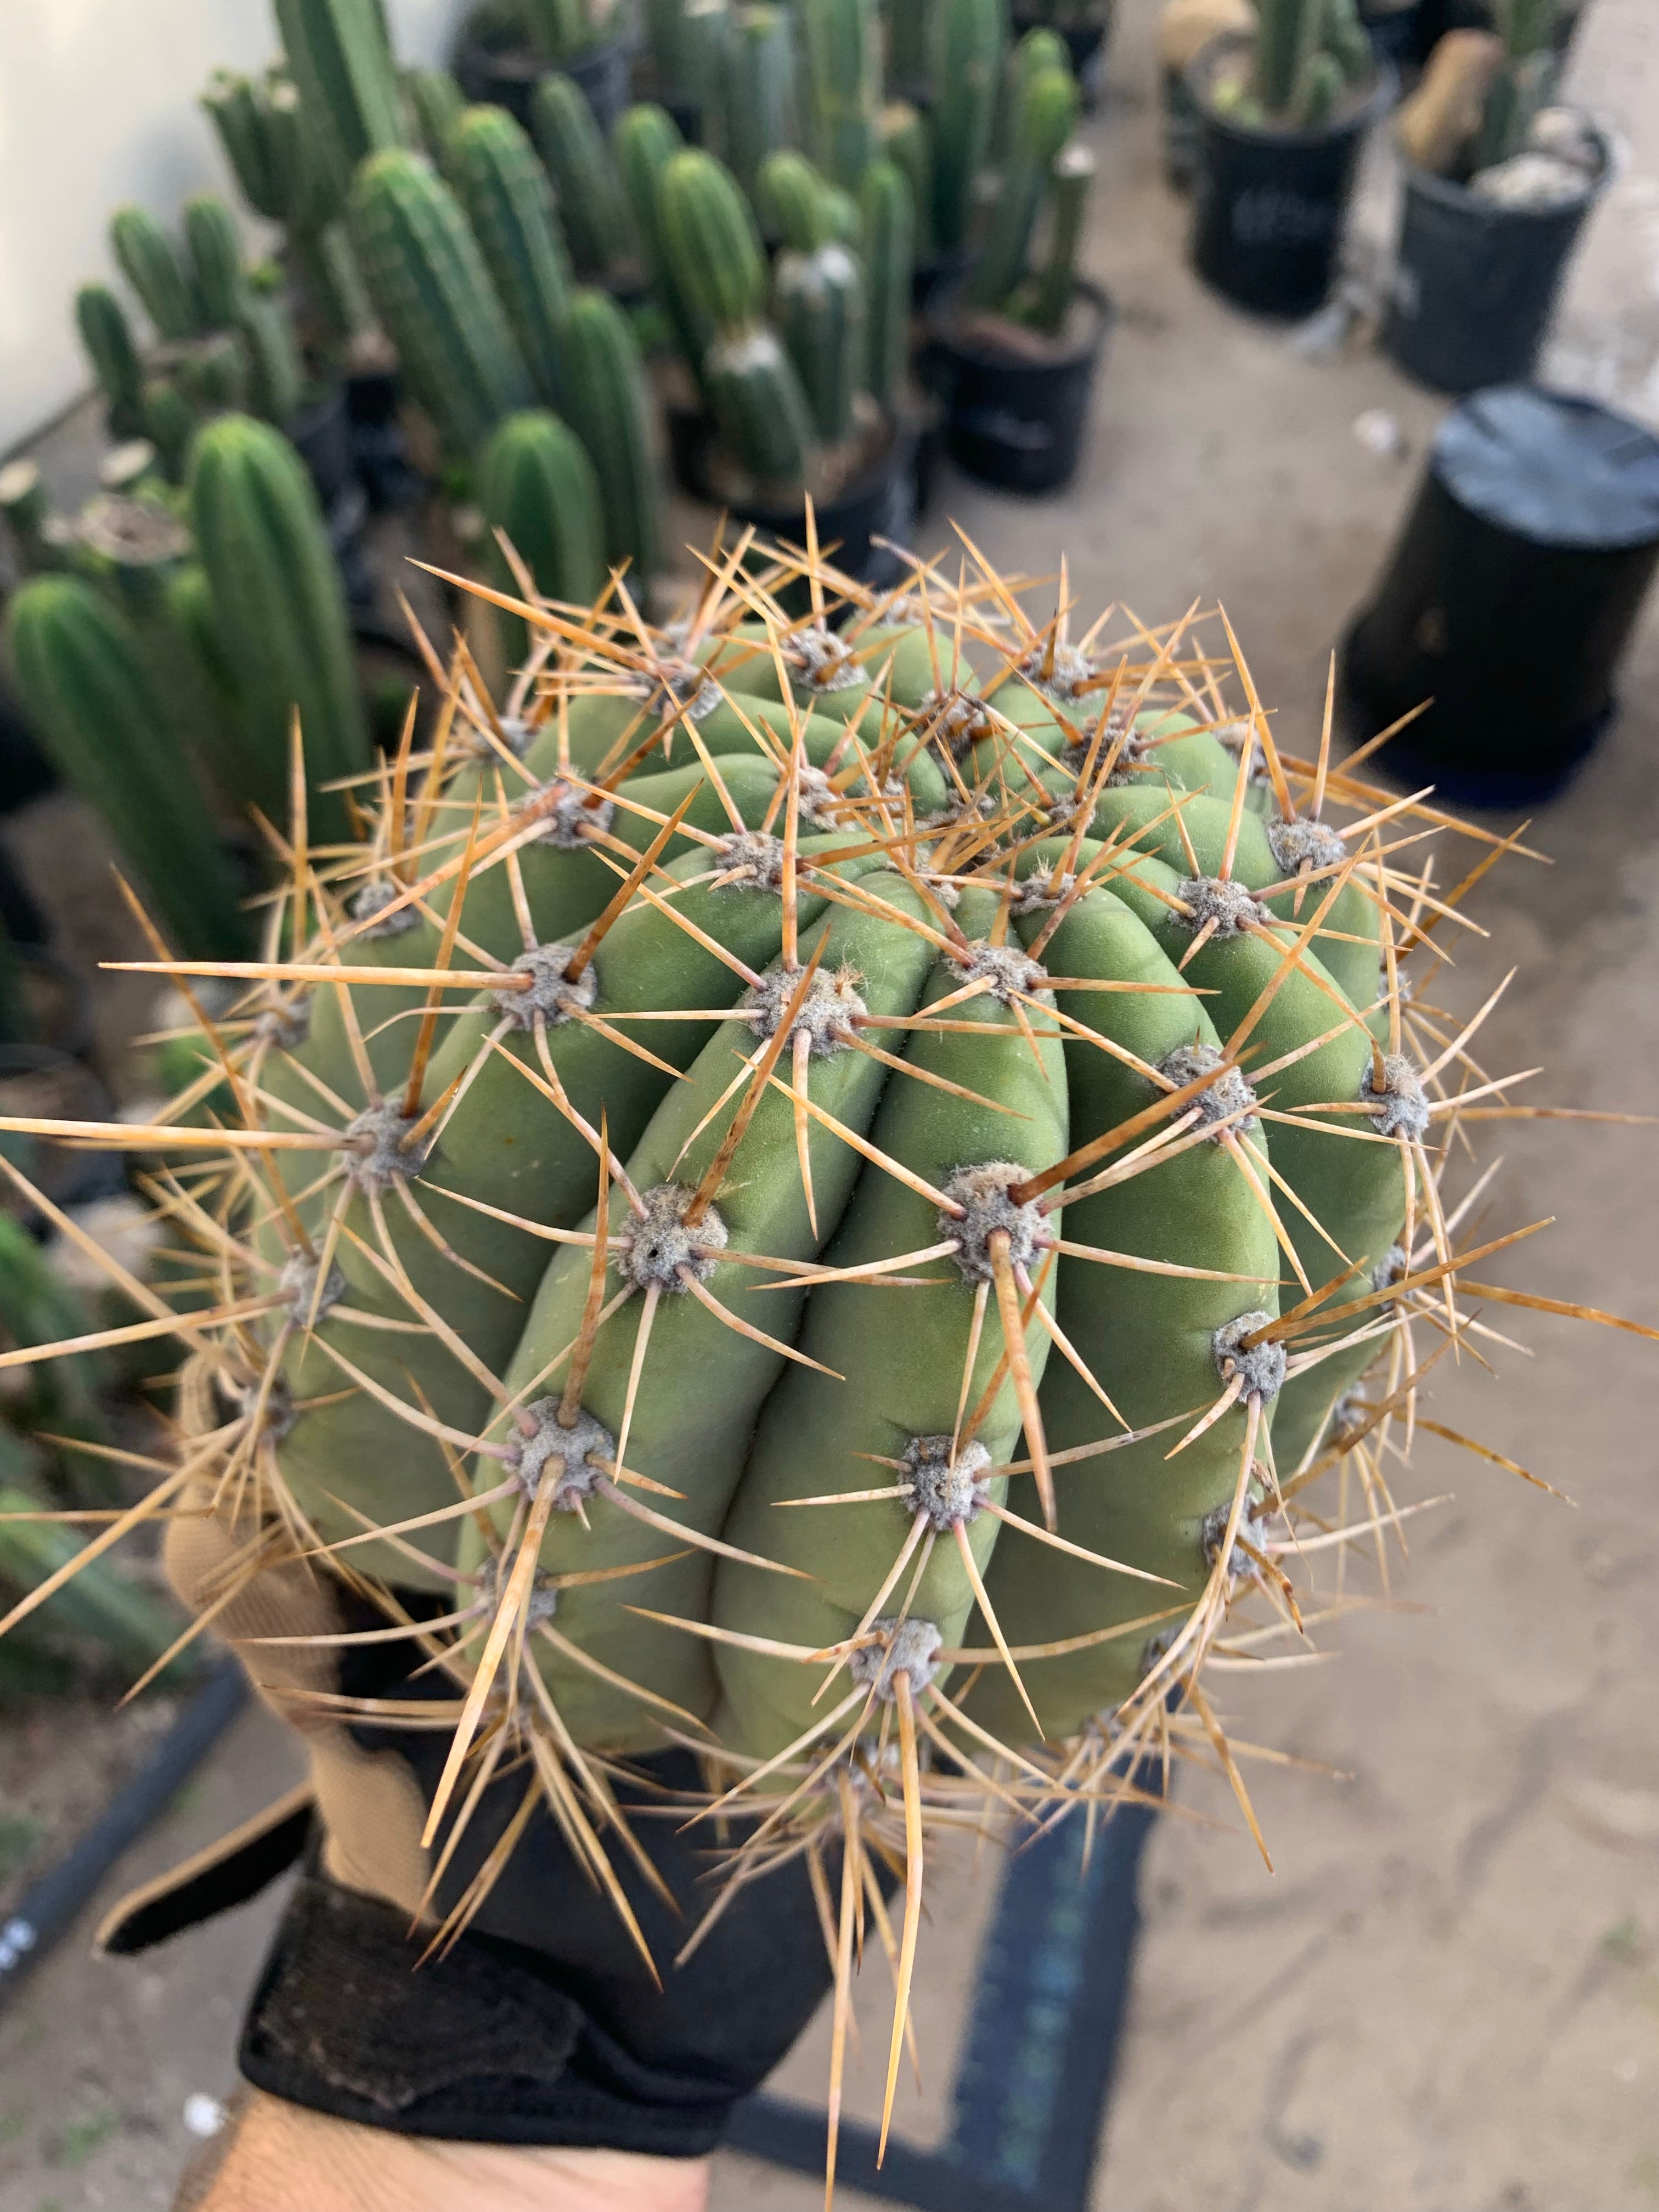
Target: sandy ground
1447,1994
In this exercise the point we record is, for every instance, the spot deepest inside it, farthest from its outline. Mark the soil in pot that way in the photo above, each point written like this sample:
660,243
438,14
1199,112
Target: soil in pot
1510,596
1475,281
1269,204
1016,400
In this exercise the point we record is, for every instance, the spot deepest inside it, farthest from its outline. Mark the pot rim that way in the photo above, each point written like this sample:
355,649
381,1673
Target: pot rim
894,457
1379,96
940,309
522,62
1450,193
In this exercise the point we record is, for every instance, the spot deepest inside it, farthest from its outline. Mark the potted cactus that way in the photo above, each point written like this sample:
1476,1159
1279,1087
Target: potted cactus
1017,341
1499,180
505,46
1283,112
801,370
1085,25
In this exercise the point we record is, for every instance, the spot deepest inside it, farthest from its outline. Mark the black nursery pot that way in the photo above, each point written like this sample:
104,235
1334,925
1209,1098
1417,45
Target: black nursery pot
1473,284
1011,420
506,70
321,435
1393,32
1510,597
1269,206
879,502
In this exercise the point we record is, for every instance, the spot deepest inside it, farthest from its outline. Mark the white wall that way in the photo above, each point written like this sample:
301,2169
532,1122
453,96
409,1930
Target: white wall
98,105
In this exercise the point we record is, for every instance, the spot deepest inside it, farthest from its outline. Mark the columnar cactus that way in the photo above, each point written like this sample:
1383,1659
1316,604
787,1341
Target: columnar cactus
106,336
851,1222
341,61
213,253
908,144
563,29
1307,55
537,486
150,263
818,305
240,109
762,109
1070,185
608,406
432,290
889,254
592,204
842,43
971,39
710,237
505,194
1523,82
281,611
1045,120
82,676
436,102
645,141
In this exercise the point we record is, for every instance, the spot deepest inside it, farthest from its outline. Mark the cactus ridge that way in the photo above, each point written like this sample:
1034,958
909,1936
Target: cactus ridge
508,202
925,1142
970,40
150,263
608,406
431,289
888,207
592,206
537,484
107,336
340,57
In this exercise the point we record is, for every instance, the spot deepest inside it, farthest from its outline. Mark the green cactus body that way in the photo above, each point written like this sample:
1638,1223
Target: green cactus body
907,143
562,29
78,668
818,305
843,44
793,202
709,41
607,404
909,26
213,373
890,256
537,484
276,375
432,291
1071,184
762,107
238,110
970,37
279,609
168,422
437,103
106,336
592,204
645,142
150,263
1287,36
213,246
508,202
341,61
99,1604
1047,118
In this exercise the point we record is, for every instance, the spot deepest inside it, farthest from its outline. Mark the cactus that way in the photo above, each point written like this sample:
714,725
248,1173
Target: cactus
794,203
591,205
1047,113
609,407
107,338
710,237
212,373
213,253
280,610
761,111
80,674
98,1604
1071,185
843,44
1307,57
28,511
239,107
437,104
820,308
150,263
644,143
907,143
504,191
971,39
562,29
168,417
276,373
432,290
889,254
537,485
909,43
944,1525
352,105
1524,82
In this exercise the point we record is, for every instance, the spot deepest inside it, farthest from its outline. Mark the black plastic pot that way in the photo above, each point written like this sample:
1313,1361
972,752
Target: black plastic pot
1013,420
1510,596
930,276
321,435
506,70
380,448
1474,284
1393,32
879,502
1269,206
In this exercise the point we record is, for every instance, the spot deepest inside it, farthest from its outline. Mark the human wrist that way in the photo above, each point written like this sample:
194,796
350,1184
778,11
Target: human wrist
282,2157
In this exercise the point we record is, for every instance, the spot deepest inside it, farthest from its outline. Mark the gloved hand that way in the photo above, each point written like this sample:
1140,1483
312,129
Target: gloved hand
538,2023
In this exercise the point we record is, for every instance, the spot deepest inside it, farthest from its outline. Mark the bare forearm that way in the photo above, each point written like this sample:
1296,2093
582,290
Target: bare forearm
280,2158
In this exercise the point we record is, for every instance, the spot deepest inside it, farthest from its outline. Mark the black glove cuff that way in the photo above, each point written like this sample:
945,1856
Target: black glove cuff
478,2044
